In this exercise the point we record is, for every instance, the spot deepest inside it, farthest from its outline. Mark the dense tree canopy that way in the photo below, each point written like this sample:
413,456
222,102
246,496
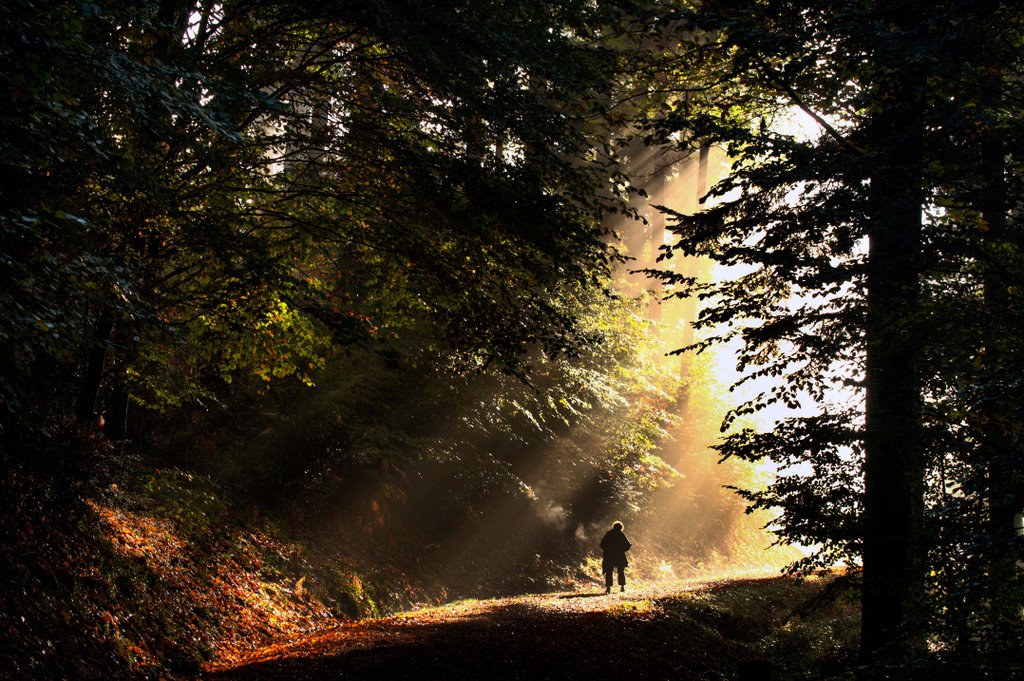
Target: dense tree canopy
202,188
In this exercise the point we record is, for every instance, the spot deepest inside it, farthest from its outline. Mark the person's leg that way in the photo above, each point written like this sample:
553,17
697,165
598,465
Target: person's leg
608,580
622,579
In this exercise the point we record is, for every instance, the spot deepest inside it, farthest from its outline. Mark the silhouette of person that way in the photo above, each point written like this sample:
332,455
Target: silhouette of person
613,556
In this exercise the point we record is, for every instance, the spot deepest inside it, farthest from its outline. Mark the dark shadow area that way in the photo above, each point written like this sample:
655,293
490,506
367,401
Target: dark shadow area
587,595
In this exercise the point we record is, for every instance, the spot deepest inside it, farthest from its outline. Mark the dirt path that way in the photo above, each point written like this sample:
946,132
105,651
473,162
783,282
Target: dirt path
585,635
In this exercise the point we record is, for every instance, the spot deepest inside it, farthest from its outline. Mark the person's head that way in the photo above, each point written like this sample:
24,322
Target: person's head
617,526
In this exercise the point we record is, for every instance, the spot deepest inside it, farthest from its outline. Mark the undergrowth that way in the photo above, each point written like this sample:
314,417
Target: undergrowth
803,630
151,572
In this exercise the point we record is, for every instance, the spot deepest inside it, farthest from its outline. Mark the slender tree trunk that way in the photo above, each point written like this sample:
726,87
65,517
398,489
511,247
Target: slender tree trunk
92,374
893,456
117,414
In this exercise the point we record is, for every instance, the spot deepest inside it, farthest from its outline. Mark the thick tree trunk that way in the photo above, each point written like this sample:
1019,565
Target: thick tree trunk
893,457
1004,498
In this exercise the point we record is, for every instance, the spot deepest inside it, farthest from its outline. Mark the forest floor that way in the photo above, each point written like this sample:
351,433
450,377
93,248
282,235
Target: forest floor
700,630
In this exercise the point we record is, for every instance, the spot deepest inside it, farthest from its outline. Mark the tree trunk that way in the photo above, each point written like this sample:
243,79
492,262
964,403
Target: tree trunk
92,374
893,456
996,453
117,415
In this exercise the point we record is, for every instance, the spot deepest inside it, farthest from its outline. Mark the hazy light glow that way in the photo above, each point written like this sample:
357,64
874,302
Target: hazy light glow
796,123
717,385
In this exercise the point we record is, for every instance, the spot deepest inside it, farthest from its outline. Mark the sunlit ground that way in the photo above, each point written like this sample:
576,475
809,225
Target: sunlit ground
690,630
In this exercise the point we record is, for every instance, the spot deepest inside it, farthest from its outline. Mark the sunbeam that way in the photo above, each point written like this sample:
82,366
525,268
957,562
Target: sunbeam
695,527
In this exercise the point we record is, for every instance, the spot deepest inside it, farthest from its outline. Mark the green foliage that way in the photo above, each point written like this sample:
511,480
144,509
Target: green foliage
421,453
232,209
817,490
184,498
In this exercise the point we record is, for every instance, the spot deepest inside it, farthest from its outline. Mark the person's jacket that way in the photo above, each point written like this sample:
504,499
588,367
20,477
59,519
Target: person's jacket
614,546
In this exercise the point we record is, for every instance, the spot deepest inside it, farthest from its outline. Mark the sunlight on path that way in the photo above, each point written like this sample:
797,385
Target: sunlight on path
697,630
494,618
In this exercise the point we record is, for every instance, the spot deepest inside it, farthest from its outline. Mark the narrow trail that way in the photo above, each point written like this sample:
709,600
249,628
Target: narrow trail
552,636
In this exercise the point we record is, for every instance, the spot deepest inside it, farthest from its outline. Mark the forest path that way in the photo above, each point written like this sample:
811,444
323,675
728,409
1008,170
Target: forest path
640,634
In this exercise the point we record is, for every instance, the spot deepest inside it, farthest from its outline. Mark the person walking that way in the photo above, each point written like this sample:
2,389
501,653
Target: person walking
613,556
